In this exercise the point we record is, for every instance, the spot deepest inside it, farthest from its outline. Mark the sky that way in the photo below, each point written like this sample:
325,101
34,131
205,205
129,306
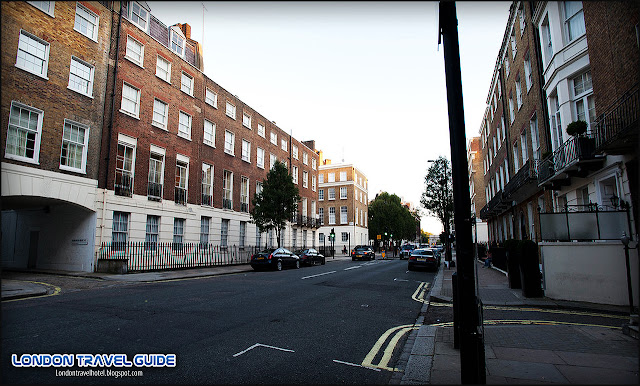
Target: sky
365,80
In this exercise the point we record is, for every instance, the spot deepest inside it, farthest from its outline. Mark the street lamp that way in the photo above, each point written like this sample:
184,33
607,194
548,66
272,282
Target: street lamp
625,241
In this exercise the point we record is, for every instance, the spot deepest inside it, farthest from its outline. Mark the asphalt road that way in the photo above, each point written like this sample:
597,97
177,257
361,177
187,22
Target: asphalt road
331,324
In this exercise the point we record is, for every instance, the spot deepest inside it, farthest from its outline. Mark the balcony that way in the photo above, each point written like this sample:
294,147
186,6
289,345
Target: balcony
207,199
244,207
496,206
154,191
124,183
180,196
524,183
575,158
227,203
585,223
617,130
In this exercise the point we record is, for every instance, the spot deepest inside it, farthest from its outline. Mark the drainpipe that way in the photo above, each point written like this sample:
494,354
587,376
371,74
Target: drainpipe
113,97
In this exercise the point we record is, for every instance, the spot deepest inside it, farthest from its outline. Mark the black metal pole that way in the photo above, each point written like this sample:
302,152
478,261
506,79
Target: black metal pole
472,363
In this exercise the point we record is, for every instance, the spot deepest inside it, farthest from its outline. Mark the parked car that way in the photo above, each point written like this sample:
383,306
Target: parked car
274,258
362,252
424,258
405,250
310,256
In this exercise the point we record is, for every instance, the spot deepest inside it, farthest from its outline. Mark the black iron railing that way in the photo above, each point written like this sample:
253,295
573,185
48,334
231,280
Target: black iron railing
529,171
226,203
180,196
572,150
124,183
154,191
207,199
622,115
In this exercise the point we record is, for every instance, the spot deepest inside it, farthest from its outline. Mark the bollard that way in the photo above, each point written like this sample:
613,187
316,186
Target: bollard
456,324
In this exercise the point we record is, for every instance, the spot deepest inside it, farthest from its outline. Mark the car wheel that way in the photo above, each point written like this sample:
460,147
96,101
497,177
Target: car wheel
297,263
279,265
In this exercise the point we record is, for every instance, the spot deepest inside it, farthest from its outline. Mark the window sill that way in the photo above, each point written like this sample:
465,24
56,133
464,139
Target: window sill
81,93
248,127
191,95
34,73
209,144
154,124
231,154
209,104
88,37
133,61
184,137
21,159
164,80
246,160
74,170
234,118
129,114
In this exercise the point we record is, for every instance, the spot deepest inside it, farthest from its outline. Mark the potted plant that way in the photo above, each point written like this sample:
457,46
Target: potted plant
585,146
577,128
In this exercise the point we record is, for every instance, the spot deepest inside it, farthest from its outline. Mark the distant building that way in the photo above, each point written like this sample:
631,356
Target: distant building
342,205
476,185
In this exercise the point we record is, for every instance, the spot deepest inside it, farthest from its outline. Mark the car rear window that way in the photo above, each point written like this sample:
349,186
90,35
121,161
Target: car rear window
427,253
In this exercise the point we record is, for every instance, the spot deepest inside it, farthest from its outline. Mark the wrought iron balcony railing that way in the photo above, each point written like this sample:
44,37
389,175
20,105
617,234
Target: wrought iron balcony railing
573,150
180,196
227,203
154,191
124,183
621,116
207,199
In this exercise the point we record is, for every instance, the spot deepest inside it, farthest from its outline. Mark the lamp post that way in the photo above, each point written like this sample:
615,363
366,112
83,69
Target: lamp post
625,242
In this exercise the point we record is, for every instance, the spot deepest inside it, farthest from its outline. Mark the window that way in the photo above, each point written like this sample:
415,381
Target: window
294,174
499,89
120,230
518,93
516,157
139,16
313,183
343,215
504,135
507,67
207,184
547,44
184,125
305,179
229,142
244,195
75,139
274,138
182,176
227,190
160,113
583,100
332,193
243,233
81,76
86,22
514,47
163,69
294,151
246,150
313,164
258,187
125,157
261,130
130,100
332,215
209,137
231,110
156,174
535,142
511,112
177,42
45,6
527,72
246,120
224,233
305,158
343,176
211,98
272,160
151,232
321,178
345,236
573,19
556,123
186,83
24,132
321,194
521,16
525,150
283,145
331,177
135,51
343,192
178,232
260,157
205,225
321,216
33,54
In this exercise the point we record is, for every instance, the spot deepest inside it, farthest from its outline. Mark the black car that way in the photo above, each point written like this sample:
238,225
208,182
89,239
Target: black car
405,250
310,256
362,252
424,258
272,258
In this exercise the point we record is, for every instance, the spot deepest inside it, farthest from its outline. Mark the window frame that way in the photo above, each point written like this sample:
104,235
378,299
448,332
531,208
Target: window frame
89,81
44,59
85,145
136,113
184,133
260,160
229,146
246,122
283,144
261,130
160,173
129,52
37,134
273,137
177,33
231,113
50,11
343,189
246,151
96,25
184,87
207,184
130,12
160,59
207,98
206,133
154,122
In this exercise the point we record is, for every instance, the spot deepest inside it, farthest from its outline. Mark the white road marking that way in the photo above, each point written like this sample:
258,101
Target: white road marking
357,266
263,345
320,274
356,365
395,279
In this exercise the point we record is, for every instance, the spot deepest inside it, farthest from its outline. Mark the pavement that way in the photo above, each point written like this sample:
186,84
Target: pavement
514,353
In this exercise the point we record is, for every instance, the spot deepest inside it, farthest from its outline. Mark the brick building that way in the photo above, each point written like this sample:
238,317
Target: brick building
54,78
342,205
476,188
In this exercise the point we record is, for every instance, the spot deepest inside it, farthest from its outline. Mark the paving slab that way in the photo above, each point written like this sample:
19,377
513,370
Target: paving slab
527,355
531,371
597,375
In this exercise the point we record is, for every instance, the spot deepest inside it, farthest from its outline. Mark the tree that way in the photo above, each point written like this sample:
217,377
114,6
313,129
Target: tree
437,198
278,201
388,216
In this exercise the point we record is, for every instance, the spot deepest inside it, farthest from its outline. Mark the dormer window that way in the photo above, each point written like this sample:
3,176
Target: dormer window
139,16
177,42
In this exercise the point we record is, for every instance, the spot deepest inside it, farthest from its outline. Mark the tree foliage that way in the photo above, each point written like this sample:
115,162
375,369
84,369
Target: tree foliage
437,198
387,214
278,201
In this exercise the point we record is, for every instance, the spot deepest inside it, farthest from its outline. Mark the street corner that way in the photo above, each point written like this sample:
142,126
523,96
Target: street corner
21,289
